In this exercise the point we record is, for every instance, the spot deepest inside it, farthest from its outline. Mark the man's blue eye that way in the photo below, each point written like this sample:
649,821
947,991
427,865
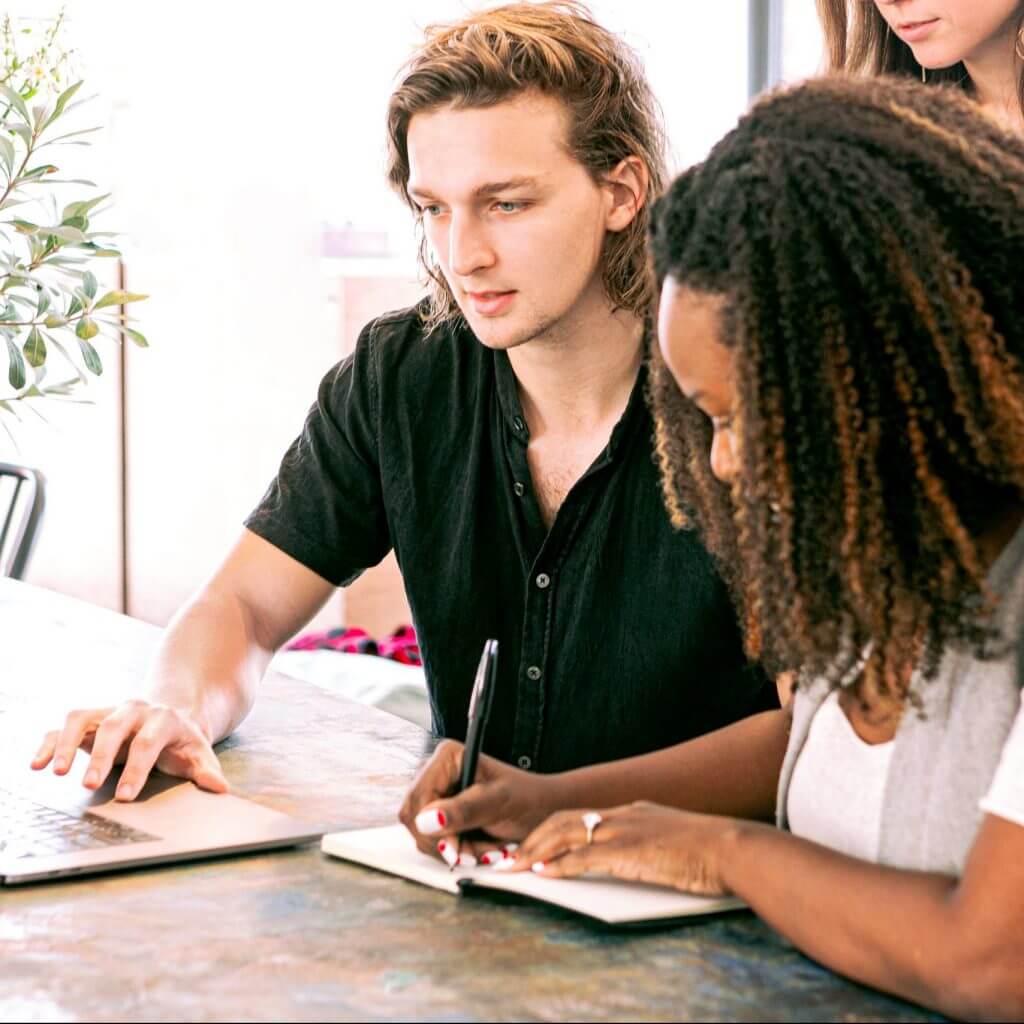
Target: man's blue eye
508,206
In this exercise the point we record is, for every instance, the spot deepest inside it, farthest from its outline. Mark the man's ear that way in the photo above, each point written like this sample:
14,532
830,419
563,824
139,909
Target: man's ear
626,185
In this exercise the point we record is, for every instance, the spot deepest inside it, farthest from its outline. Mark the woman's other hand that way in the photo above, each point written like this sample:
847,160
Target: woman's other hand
640,842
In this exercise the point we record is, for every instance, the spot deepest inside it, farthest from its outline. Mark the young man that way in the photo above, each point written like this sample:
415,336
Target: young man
496,436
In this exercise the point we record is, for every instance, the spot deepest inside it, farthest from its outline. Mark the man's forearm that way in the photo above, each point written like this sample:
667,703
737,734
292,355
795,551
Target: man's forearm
209,663
732,771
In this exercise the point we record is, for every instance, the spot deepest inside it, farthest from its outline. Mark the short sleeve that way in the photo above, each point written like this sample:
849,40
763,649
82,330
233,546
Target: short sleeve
325,507
1005,797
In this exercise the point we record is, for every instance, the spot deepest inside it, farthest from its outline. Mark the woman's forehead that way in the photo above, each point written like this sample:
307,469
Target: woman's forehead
691,341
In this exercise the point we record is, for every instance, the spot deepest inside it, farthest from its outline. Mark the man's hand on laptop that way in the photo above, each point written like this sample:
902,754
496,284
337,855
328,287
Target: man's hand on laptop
138,735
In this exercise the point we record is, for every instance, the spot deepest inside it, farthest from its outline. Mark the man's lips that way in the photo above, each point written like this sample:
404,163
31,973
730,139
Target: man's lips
490,303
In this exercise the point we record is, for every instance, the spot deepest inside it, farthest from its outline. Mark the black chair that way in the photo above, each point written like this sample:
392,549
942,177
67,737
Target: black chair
21,515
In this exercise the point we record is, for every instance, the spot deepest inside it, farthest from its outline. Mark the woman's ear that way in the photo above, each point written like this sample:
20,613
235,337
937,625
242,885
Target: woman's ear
626,185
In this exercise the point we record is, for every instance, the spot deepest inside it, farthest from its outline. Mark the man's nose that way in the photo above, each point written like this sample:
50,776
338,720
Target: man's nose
468,247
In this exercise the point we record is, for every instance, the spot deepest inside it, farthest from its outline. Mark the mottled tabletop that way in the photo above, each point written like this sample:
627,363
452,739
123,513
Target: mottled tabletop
294,935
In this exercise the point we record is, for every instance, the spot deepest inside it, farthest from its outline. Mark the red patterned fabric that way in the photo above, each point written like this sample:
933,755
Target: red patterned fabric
401,645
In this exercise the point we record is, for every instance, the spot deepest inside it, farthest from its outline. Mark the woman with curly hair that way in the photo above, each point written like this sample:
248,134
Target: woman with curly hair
839,401
974,45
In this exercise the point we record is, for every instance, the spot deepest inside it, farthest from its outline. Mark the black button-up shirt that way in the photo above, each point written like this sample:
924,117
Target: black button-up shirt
616,636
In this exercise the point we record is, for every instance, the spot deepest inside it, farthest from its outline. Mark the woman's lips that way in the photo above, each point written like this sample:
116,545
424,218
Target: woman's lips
912,31
491,303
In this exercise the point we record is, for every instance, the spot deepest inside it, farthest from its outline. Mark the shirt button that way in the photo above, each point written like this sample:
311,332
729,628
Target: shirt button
543,581
533,672
519,489
524,762
518,423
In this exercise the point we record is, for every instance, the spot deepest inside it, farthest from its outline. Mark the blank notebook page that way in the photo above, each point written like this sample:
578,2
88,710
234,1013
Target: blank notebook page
393,849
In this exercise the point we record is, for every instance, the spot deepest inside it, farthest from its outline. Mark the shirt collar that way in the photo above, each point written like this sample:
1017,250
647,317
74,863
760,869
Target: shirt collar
512,410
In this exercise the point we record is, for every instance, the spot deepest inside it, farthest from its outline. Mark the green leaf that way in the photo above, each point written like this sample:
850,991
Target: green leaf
75,307
81,209
25,227
59,181
54,320
15,100
22,131
41,171
86,328
35,348
65,234
62,101
91,356
90,284
15,367
119,298
137,336
6,154
70,135
42,301
97,250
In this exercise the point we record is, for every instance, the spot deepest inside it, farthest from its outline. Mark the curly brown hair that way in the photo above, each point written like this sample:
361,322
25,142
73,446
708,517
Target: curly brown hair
868,238
557,49
858,39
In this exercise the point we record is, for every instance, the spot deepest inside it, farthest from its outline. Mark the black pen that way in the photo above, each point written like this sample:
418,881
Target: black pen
479,711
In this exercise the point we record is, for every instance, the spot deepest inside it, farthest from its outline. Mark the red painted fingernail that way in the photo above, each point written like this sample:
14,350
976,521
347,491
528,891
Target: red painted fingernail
442,846
442,819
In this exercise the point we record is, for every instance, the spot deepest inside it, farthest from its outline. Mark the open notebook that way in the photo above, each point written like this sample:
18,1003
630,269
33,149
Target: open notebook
393,850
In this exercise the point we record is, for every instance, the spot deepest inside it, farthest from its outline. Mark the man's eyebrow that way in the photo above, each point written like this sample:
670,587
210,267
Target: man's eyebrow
482,191
509,185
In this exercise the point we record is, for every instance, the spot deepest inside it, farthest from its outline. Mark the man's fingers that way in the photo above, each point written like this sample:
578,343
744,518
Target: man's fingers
167,733
109,738
142,754
45,752
76,727
208,774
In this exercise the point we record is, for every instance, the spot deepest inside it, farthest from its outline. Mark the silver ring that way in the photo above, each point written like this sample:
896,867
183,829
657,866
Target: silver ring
590,821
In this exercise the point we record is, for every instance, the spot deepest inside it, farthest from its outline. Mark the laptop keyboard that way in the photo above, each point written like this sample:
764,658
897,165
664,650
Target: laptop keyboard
28,829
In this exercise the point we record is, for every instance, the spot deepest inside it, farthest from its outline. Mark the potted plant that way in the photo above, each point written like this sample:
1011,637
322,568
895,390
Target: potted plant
51,305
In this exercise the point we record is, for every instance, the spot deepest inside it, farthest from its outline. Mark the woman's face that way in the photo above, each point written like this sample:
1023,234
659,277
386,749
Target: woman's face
942,32
689,335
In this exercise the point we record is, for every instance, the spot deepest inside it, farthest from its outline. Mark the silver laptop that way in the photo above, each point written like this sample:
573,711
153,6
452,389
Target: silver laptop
53,827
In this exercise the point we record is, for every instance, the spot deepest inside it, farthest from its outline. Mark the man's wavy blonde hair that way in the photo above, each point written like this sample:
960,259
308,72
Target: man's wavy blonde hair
558,50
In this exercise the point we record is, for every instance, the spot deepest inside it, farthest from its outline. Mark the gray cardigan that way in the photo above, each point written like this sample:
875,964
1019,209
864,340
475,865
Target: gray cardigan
943,763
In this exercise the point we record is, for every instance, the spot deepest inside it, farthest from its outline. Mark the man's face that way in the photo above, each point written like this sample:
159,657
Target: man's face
515,222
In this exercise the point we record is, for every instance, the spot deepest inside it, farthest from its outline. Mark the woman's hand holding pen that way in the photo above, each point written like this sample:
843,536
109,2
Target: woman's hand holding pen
504,803
641,842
